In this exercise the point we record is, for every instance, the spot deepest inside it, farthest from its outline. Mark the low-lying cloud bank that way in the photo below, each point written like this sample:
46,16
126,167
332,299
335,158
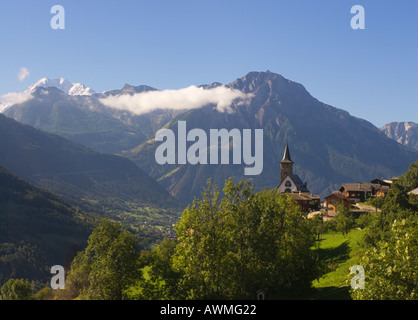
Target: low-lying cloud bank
12,98
187,98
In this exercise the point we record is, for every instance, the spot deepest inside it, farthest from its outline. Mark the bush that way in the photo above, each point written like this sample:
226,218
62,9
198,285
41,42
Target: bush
16,289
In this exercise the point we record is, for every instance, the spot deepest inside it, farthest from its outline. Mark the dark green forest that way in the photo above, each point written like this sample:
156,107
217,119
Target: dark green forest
37,229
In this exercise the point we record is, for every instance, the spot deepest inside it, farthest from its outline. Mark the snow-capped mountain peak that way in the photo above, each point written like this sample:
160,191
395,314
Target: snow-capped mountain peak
74,89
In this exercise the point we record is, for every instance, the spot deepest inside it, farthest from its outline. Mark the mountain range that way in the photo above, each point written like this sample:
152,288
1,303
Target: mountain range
405,133
327,144
83,119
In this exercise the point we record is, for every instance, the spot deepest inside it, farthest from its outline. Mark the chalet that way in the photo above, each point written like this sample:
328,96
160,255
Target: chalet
292,185
382,182
306,201
359,192
382,191
335,199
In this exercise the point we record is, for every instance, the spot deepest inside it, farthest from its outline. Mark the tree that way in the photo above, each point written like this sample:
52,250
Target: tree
397,205
286,263
159,280
201,251
16,289
45,293
391,269
376,202
344,219
230,248
409,179
107,267
391,245
365,220
318,225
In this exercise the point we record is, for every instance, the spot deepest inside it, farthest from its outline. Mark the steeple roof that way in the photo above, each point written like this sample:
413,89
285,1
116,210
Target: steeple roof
286,156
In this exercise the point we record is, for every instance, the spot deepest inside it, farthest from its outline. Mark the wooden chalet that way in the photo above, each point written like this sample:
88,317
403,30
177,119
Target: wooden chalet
360,191
352,193
382,192
335,199
306,201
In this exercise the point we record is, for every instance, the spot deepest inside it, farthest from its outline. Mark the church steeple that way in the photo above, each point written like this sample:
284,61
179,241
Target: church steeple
286,156
286,165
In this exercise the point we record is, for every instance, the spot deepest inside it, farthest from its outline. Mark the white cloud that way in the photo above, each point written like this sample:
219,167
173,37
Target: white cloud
23,73
187,98
12,98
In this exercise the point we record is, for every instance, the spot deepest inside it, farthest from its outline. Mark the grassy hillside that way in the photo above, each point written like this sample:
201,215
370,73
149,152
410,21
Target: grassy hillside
338,254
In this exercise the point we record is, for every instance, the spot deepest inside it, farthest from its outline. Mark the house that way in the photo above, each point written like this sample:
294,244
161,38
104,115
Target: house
306,201
383,191
382,182
335,199
359,192
352,193
292,185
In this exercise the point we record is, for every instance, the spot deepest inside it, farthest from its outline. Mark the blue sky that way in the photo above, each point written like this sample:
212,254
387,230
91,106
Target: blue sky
172,44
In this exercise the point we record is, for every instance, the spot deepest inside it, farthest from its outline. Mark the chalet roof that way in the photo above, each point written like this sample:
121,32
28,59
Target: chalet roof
303,196
286,155
336,194
360,186
339,195
385,189
415,191
382,182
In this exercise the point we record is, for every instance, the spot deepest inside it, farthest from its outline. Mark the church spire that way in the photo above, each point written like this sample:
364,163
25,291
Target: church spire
286,156
286,165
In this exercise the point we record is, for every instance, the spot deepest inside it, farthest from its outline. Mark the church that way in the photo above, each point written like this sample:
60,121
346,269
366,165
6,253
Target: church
292,185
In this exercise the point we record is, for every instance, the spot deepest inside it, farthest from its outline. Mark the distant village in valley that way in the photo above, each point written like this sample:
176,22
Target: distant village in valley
350,195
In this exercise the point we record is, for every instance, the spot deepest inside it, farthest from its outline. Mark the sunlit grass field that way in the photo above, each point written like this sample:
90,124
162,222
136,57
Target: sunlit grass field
338,254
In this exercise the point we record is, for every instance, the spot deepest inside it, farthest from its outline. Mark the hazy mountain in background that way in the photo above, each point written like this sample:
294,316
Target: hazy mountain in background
405,133
127,89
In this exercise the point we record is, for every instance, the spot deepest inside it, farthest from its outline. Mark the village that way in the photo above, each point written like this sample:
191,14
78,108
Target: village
352,196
